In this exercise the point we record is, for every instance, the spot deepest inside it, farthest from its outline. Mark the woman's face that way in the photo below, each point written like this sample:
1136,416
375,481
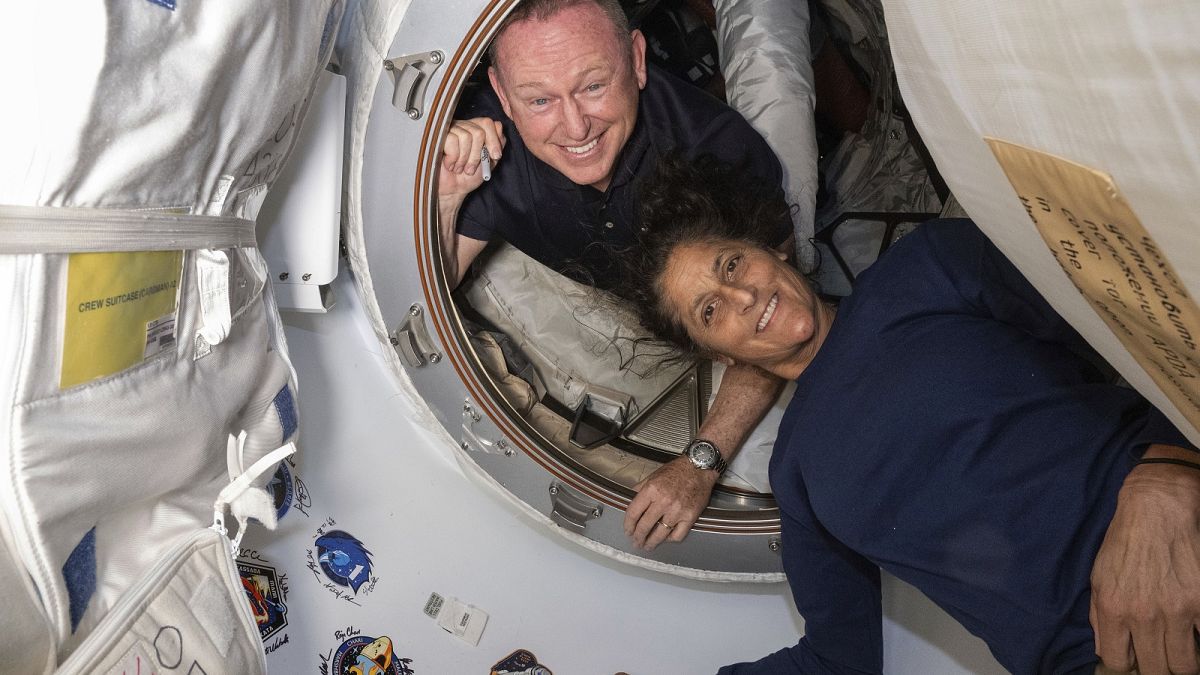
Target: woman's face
745,303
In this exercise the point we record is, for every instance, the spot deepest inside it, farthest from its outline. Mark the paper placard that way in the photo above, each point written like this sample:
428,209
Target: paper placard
120,310
1115,263
463,621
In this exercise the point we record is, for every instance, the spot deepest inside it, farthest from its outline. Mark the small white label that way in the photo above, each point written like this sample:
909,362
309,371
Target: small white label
461,620
160,335
223,184
433,606
201,348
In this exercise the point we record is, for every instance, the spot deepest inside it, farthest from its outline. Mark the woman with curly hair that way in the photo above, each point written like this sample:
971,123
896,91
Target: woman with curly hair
948,427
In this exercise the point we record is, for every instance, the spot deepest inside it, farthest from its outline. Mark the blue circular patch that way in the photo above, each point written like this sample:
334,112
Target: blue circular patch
282,489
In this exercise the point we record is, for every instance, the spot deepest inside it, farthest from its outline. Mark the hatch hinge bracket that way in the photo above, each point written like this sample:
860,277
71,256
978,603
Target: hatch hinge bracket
475,436
411,74
572,510
412,342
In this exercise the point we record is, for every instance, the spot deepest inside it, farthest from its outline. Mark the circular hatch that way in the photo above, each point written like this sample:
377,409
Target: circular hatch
539,381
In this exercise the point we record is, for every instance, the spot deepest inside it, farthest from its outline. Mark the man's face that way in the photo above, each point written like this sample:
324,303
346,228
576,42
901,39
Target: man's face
571,87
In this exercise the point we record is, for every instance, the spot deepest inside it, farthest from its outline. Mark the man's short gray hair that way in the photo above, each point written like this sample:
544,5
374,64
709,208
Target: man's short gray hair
540,10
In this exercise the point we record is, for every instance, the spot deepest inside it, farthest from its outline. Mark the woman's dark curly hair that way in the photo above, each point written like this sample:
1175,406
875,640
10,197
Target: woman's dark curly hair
687,201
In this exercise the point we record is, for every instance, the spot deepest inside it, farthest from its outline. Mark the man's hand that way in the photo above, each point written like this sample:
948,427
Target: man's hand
459,174
668,503
1146,577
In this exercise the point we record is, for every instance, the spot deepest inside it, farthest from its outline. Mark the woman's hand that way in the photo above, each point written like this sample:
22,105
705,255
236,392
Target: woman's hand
1146,577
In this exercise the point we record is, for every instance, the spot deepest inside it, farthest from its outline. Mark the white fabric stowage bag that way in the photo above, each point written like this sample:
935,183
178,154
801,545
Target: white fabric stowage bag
186,614
767,63
138,334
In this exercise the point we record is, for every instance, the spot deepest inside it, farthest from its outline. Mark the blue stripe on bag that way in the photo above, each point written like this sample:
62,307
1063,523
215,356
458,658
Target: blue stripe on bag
285,406
79,572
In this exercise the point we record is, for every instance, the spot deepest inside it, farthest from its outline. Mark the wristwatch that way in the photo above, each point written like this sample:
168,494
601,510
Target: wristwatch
705,455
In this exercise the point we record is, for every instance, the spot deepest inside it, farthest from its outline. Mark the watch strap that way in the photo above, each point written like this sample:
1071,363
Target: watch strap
721,464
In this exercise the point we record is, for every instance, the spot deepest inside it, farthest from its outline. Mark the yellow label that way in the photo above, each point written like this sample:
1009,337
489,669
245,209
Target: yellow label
1115,264
120,311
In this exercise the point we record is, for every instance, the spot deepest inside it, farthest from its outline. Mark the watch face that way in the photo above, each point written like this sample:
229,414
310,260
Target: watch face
703,455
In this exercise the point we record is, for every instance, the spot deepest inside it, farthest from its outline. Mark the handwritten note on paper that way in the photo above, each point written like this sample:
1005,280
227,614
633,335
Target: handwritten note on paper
1115,264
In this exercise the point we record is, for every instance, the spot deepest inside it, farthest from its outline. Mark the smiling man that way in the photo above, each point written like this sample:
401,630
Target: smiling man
575,117
578,116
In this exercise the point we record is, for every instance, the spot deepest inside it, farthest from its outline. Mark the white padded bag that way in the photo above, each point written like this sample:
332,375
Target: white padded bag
767,63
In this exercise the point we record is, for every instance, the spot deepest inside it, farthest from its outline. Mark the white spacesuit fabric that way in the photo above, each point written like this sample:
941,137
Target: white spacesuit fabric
125,462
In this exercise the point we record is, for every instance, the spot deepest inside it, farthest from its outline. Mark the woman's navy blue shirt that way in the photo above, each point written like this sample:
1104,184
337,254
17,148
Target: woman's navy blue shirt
953,431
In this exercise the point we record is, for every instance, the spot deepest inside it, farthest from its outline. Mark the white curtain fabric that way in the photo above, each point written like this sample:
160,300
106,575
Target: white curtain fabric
1110,84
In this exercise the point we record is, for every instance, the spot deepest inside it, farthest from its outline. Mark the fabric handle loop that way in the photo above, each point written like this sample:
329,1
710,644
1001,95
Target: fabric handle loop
239,485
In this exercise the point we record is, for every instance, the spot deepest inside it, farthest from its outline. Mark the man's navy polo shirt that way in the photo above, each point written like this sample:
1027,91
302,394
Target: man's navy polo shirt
574,229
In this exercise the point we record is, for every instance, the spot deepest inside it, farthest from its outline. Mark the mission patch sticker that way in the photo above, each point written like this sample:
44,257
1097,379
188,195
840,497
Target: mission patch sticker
520,662
267,595
282,490
341,562
360,654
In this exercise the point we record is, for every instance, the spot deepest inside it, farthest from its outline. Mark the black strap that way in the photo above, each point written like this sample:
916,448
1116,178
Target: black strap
1168,460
